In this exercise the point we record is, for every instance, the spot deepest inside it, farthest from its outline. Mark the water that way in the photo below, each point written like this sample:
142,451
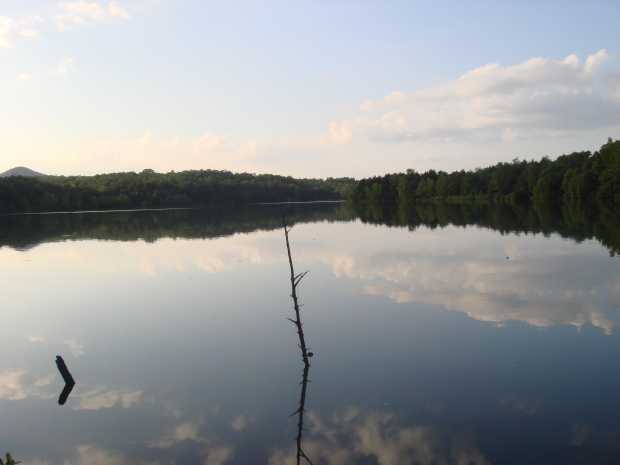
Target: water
433,345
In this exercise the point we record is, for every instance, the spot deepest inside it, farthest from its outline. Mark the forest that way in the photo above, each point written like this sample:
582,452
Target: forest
576,179
149,189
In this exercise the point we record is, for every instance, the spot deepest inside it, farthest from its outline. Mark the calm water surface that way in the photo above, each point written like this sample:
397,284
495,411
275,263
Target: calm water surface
450,345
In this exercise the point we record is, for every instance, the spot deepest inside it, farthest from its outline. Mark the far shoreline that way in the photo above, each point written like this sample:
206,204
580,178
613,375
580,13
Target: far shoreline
138,210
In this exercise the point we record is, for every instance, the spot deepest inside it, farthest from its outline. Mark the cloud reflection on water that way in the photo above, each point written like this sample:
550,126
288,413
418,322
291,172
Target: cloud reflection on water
19,384
354,435
542,281
545,281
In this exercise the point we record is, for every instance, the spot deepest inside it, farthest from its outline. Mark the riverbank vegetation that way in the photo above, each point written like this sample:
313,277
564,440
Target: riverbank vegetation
149,189
576,179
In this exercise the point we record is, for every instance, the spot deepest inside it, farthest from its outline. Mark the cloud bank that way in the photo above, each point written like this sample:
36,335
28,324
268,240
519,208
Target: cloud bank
13,29
84,12
494,102
66,15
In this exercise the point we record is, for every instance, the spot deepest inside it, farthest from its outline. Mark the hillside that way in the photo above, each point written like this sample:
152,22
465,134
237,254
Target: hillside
20,171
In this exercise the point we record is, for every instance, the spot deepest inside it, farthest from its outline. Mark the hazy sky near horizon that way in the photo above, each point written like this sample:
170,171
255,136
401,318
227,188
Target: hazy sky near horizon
311,88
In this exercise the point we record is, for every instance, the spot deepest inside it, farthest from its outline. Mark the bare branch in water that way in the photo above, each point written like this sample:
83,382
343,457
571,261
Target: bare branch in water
305,354
295,280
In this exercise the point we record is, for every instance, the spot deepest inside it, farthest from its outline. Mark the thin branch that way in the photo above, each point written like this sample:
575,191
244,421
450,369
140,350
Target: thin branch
305,355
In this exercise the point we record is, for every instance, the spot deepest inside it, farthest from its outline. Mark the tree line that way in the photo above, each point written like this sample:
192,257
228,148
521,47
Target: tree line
579,178
149,189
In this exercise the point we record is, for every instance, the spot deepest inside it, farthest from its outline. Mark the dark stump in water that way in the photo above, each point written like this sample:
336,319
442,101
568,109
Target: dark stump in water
66,376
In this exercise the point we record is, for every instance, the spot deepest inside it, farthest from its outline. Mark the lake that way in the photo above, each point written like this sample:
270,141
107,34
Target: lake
441,335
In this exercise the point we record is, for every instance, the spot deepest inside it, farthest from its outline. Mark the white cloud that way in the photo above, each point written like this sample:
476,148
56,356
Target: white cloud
12,29
93,455
492,102
75,347
63,68
593,62
185,431
89,454
240,423
218,455
19,385
84,12
339,132
98,399
354,435
116,11
12,385
213,452
69,14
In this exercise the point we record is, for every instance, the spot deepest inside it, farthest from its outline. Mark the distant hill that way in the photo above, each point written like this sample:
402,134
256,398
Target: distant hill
20,171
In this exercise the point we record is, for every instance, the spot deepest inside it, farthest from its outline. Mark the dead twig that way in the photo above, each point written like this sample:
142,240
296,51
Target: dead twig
305,354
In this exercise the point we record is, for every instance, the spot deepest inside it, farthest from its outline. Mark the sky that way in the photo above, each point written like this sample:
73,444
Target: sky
309,88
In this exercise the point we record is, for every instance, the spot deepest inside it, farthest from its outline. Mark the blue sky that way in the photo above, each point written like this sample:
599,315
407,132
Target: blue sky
324,88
